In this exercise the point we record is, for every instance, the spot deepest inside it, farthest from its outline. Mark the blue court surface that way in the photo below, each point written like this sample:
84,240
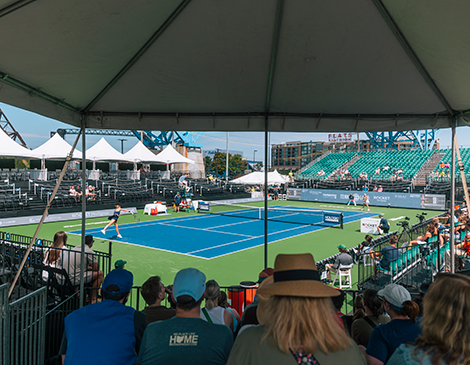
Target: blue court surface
209,236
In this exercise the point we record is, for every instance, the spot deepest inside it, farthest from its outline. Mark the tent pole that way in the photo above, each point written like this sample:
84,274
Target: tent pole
452,198
44,215
265,192
226,164
82,252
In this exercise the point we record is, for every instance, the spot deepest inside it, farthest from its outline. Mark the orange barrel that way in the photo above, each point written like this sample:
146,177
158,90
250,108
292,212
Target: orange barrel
250,291
236,296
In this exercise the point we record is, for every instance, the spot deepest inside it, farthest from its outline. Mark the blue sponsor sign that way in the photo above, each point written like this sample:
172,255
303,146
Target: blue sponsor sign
334,218
203,206
384,199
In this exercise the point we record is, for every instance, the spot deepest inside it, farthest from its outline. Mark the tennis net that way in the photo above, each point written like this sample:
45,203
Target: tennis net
275,214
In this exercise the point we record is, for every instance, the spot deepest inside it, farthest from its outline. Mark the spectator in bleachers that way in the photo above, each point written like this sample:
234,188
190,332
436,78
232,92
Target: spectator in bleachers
445,335
377,171
73,193
374,315
92,275
249,314
186,338
447,165
375,188
91,192
120,264
402,328
364,247
53,256
441,165
224,304
338,301
422,240
388,254
154,292
365,188
380,189
108,332
358,312
344,258
212,313
297,320
386,168
78,189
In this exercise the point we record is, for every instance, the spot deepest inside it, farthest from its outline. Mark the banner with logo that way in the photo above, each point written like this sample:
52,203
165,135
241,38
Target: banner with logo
384,199
369,225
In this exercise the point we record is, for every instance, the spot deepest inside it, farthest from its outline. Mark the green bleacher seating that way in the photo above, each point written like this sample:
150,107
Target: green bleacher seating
328,164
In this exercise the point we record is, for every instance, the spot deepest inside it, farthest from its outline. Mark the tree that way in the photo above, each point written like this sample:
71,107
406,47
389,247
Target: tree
208,164
236,165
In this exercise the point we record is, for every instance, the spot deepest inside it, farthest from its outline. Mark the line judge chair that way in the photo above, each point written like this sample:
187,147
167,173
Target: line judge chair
344,272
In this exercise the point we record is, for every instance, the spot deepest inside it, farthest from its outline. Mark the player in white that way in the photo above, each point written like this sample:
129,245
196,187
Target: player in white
365,199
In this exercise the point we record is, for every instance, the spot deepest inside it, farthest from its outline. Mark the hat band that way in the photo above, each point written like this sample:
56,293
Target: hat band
293,275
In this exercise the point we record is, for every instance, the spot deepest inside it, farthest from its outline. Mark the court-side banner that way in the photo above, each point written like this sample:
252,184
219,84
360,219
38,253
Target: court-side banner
34,219
402,200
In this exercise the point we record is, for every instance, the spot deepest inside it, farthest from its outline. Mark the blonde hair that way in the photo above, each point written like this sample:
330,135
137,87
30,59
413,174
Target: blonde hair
446,320
60,240
304,324
212,293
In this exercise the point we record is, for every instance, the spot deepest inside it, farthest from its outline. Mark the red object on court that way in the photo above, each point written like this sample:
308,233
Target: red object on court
237,296
154,211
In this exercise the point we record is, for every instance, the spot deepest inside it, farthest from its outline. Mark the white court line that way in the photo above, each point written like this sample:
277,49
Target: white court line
90,223
207,230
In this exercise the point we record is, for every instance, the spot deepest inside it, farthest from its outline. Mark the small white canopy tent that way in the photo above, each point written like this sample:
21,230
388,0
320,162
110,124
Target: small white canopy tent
257,178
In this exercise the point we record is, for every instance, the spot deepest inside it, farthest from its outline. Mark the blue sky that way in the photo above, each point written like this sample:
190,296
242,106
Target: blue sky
35,130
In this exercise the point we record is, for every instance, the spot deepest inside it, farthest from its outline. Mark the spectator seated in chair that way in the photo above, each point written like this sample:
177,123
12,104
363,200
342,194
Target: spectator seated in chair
154,292
344,258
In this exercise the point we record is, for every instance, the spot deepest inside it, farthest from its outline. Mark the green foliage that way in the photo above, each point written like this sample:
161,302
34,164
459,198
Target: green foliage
236,165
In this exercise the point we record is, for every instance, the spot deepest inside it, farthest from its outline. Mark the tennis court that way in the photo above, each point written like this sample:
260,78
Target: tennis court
209,236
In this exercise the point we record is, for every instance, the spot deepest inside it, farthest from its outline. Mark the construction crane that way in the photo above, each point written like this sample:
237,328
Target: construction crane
8,128
420,139
148,138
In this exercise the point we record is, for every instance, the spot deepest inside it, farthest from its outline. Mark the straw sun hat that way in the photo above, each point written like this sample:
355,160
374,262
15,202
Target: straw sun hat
294,276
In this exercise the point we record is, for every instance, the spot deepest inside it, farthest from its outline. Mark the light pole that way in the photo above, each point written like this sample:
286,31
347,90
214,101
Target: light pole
254,154
122,144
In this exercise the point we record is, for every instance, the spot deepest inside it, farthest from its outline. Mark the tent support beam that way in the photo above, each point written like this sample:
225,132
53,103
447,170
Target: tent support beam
82,251
411,53
272,70
15,6
139,53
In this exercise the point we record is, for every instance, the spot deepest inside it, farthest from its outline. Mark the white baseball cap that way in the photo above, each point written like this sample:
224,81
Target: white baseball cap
395,295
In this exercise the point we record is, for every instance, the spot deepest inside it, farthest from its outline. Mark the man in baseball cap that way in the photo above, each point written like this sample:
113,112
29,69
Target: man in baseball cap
107,332
343,258
186,336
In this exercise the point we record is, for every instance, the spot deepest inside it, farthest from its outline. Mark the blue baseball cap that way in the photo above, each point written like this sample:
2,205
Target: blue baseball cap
118,281
190,282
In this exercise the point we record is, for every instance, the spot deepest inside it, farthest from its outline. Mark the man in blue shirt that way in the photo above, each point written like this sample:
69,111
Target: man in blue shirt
186,338
384,226
107,332
388,253
177,202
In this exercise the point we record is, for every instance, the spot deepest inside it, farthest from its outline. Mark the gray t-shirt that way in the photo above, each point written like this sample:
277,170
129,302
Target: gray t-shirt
344,259
71,262
185,341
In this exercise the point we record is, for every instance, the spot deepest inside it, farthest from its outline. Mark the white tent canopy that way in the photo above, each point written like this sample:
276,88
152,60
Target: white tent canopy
170,155
140,153
211,65
257,178
56,148
9,148
103,151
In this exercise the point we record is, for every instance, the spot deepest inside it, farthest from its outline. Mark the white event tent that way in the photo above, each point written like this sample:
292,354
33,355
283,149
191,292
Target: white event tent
169,155
140,153
257,178
56,148
103,151
9,148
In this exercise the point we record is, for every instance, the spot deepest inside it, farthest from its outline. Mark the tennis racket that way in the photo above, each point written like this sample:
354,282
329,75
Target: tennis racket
137,219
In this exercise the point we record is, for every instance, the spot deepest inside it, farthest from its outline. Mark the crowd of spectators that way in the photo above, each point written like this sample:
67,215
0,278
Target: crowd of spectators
298,321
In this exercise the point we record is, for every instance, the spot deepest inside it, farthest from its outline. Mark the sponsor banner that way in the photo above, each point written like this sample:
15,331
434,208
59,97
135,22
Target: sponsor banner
334,218
369,225
294,194
384,199
340,137
203,206
35,219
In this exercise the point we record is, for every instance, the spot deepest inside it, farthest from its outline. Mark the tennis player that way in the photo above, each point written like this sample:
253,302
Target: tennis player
365,199
114,218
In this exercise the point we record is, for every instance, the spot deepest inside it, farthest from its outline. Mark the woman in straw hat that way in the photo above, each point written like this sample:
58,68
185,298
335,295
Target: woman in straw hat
446,325
298,323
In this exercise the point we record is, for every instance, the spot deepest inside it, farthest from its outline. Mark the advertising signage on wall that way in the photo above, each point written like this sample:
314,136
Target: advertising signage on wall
384,199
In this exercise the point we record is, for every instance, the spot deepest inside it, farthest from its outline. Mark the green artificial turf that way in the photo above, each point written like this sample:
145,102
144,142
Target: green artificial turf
229,269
